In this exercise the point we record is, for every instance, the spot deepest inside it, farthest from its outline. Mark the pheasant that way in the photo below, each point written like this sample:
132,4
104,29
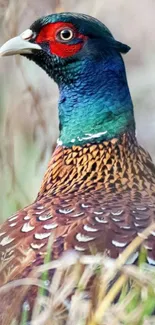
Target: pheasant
99,188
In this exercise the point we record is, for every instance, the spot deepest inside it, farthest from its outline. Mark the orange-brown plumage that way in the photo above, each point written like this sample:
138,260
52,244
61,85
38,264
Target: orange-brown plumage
84,196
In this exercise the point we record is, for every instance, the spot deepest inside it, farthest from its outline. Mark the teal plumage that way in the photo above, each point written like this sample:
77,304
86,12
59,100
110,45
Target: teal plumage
90,105
99,188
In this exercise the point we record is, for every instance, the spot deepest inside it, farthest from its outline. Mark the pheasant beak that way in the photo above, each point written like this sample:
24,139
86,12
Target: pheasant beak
19,45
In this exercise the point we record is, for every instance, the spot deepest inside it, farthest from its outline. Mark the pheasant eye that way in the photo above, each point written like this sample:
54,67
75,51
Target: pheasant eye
65,35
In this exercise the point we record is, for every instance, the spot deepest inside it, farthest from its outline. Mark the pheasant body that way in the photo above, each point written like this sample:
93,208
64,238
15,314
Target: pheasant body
86,192
98,191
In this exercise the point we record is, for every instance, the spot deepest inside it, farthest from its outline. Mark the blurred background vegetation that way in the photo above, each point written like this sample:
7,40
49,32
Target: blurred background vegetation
28,98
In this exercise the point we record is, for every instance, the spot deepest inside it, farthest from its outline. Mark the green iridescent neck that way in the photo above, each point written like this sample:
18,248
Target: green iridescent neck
96,105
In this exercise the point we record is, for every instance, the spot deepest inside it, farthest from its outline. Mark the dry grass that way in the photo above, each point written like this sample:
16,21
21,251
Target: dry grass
108,302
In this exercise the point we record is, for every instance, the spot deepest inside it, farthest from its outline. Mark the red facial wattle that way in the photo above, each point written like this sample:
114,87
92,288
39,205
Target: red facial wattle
48,34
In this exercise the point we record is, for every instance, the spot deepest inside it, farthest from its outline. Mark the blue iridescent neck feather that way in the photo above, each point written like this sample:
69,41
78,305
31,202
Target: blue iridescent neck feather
96,104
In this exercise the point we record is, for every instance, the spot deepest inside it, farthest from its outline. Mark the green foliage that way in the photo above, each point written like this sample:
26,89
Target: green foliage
25,313
45,274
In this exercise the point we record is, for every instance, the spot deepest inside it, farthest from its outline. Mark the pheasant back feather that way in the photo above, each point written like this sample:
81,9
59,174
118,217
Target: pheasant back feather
96,196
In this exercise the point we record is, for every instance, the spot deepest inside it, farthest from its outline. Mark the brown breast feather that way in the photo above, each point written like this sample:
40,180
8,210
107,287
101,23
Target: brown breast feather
93,198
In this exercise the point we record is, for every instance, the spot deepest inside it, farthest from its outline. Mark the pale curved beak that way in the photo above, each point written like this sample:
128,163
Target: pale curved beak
18,45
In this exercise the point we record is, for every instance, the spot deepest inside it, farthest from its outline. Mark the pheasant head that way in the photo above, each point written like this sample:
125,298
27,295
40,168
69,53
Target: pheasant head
84,59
